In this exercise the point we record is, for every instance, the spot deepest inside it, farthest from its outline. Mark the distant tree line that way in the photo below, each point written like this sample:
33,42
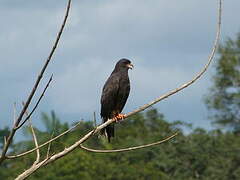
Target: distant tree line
197,155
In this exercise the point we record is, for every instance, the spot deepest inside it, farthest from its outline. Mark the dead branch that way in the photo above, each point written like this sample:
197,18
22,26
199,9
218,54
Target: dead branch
156,100
36,163
44,144
130,148
29,99
35,107
98,128
14,113
196,77
49,147
28,172
34,138
35,142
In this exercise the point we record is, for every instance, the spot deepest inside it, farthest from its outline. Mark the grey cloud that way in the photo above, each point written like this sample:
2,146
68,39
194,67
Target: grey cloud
167,40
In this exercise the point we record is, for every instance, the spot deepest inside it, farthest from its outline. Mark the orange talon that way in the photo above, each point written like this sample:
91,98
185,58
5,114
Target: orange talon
119,117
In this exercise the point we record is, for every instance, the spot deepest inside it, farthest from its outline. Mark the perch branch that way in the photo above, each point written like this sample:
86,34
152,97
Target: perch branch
155,101
97,129
196,77
138,110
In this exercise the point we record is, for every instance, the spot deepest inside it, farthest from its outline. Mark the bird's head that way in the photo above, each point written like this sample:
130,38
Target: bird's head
124,64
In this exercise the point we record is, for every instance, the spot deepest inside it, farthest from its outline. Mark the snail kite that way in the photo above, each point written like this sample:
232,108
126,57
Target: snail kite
114,95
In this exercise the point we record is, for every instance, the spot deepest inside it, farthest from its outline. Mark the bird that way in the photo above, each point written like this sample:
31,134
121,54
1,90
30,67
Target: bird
114,96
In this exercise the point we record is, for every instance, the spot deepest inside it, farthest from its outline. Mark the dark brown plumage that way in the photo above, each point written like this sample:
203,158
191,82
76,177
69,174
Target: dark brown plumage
114,94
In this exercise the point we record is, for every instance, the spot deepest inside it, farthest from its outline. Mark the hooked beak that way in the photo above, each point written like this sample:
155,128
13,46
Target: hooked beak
130,66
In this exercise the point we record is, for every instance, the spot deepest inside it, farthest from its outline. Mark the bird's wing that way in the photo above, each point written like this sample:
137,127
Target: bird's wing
109,96
123,93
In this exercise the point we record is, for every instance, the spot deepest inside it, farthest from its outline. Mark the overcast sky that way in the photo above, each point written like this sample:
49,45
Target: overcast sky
167,41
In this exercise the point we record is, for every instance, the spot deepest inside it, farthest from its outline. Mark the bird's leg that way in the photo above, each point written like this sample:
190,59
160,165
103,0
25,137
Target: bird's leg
119,117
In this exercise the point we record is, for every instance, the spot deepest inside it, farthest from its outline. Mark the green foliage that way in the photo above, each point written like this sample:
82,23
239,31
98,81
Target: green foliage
3,134
224,97
53,124
198,155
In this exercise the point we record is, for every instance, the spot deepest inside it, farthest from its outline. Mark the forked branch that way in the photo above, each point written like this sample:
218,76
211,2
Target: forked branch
34,138
98,128
44,144
32,93
78,144
35,142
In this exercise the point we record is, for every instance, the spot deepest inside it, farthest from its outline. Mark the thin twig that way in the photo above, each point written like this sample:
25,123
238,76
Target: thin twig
34,139
195,78
35,107
14,113
94,120
5,139
130,148
35,142
12,133
44,144
49,146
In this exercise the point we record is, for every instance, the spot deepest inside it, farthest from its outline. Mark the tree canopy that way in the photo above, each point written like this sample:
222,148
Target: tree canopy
197,155
224,96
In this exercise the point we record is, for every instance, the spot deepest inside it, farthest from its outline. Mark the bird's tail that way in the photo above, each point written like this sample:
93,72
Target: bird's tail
108,131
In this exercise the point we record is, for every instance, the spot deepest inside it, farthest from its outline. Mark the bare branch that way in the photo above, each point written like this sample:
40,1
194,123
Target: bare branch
35,107
14,113
143,107
35,142
97,129
196,77
130,148
34,139
151,103
29,171
36,163
5,139
49,146
94,120
18,120
44,144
